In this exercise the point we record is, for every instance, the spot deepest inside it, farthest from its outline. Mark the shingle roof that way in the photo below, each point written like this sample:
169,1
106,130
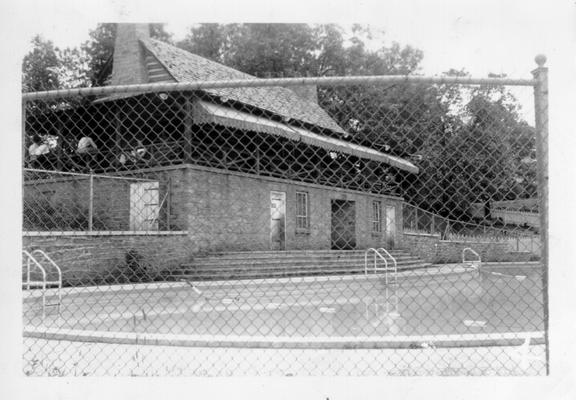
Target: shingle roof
188,67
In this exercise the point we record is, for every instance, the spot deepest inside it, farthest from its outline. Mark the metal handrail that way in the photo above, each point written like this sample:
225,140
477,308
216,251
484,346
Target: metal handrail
376,253
391,257
29,258
58,270
394,270
45,282
479,260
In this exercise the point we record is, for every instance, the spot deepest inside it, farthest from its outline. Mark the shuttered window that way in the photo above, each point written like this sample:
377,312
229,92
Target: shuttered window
376,217
302,217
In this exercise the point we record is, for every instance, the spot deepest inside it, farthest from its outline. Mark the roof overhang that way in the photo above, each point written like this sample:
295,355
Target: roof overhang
205,112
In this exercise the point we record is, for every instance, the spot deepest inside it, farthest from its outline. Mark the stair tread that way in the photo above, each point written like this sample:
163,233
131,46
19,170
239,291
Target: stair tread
200,263
262,264
288,264
293,270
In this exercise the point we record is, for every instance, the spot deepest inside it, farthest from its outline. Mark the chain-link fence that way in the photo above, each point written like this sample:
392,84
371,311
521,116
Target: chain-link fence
318,226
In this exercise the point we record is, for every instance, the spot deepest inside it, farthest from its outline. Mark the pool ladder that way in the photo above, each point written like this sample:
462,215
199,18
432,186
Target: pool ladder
472,263
44,284
390,271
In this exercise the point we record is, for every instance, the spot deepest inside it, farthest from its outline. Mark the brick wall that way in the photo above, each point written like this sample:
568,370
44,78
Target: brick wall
218,210
63,203
98,257
431,249
231,211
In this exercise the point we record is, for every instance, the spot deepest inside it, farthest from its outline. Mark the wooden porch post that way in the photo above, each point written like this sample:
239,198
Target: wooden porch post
188,122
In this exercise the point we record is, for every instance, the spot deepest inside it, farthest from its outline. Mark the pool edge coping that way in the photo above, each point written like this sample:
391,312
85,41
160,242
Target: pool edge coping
318,343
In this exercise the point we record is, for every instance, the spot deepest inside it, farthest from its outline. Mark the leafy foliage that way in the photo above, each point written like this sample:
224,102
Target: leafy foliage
298,50
39,66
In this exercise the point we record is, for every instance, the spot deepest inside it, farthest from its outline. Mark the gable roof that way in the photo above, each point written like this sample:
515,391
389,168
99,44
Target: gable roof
183,66
141,60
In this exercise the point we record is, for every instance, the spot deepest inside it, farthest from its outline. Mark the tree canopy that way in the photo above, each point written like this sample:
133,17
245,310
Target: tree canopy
290,50
40,66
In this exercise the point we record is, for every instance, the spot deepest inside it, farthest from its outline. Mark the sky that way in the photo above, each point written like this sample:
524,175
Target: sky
480,37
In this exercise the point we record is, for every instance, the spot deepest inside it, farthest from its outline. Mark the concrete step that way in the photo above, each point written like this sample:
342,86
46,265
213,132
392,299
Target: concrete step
294,256
302,268
271,264
286,266
288,253
276,273
290,261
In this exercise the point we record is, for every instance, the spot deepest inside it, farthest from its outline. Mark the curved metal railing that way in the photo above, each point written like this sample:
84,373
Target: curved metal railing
473,263
376,255
44,283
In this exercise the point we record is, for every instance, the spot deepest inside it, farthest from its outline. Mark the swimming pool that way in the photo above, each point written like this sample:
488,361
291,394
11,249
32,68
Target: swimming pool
498,301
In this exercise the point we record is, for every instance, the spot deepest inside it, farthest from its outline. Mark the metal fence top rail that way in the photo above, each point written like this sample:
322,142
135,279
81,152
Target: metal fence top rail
283,82
78,174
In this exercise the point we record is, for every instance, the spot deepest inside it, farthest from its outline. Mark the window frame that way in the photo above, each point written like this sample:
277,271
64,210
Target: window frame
305,217
376,220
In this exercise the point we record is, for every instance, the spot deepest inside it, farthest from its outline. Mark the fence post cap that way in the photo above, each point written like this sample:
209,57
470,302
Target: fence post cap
540,60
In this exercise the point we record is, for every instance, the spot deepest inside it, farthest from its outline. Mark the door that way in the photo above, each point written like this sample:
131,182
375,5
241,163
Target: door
390,226
343,236
277,220
144,206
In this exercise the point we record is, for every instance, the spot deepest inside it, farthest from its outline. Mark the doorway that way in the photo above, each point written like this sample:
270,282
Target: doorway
278,220
390,226
343,235
144,206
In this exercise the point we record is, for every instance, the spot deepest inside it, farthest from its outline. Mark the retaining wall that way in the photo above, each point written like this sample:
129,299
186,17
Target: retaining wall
111,257
431,249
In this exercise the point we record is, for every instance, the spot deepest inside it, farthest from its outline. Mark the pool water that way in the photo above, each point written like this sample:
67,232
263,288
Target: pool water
469,302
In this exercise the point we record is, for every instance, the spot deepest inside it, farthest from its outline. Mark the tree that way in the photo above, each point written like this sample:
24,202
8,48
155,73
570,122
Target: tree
212,41
476,155
297,50
40,66
99,49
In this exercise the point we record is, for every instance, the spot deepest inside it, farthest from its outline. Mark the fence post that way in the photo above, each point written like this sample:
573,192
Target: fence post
541,120
91,202
541,115
24,133
168,205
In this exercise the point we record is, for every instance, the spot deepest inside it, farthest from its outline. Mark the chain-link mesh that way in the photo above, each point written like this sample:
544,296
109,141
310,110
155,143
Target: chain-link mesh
341,226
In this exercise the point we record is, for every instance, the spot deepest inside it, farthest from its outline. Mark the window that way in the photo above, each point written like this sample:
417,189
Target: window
302,219
376,217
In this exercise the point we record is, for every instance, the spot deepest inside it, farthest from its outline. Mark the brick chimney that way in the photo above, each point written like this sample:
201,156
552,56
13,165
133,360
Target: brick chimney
129,65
